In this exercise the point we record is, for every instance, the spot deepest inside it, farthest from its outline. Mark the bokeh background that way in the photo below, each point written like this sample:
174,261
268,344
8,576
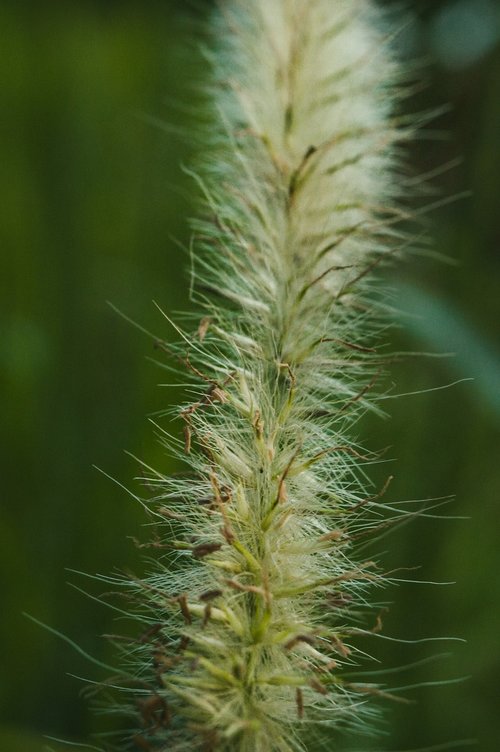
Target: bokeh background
97,101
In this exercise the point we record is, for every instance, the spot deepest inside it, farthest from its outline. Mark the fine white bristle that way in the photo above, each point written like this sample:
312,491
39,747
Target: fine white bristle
249,618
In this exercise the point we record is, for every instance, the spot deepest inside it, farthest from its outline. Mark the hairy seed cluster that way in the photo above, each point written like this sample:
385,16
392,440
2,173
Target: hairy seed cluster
251,617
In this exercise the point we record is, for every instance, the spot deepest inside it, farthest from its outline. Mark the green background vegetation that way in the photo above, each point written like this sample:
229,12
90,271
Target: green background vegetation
93,201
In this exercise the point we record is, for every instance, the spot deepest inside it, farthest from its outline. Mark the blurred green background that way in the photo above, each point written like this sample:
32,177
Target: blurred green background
93,201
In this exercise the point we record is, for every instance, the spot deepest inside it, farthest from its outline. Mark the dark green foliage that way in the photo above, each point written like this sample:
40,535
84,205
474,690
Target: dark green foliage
91,194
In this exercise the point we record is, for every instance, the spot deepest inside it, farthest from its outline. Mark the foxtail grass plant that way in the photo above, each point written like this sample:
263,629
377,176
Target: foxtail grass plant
253,615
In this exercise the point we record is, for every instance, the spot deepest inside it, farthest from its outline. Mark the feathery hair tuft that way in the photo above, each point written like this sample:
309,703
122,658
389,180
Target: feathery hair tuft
250,619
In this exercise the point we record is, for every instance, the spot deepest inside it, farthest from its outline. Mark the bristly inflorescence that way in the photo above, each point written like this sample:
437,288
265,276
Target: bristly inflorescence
249,620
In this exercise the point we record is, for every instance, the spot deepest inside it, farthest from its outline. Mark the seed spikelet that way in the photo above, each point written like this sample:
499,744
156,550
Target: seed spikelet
253,614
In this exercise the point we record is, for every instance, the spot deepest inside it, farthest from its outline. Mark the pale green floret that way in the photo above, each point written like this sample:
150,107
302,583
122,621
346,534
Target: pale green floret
251,622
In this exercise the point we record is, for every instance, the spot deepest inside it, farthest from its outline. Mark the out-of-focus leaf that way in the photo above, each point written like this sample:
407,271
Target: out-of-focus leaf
444,328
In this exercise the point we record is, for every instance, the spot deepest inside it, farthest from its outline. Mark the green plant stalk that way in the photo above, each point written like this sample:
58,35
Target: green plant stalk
253,616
